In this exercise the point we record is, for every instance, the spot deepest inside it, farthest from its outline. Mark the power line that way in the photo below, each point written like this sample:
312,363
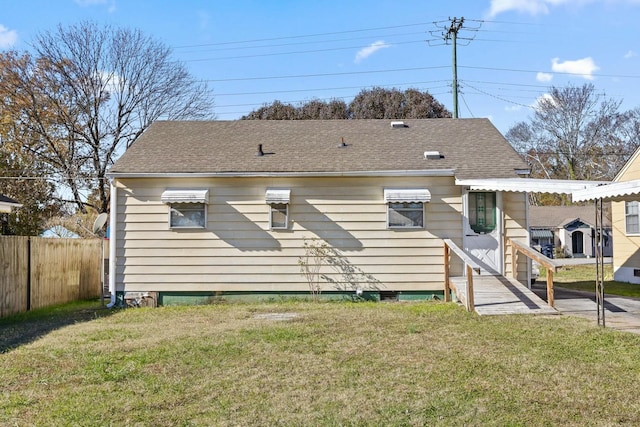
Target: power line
299,76
236,48
259,55
301,36
328,88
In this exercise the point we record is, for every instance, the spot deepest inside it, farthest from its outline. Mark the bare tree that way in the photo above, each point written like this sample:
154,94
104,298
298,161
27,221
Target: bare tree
576,133
376,103
275,111
380,103
321,110
87,94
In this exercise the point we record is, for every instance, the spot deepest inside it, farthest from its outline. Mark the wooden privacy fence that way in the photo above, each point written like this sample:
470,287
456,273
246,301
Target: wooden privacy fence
37,272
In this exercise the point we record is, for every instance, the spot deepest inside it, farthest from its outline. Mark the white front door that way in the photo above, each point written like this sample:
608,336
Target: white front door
483,230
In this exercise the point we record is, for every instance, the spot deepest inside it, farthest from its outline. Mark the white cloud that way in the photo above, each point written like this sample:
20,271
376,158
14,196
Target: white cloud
545,98
7,37
544,77
541,7
630,54
513,108
584,67
366,52
532,7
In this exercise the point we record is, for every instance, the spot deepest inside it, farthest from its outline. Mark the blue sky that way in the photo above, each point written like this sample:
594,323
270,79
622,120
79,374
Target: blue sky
253,52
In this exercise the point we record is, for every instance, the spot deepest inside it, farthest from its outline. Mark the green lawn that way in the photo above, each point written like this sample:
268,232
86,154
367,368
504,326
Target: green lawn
391,364
582,277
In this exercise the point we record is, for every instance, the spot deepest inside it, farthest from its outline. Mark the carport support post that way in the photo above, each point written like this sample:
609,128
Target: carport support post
599,263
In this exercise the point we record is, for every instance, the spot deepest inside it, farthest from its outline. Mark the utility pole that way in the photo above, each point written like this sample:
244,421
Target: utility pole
450,35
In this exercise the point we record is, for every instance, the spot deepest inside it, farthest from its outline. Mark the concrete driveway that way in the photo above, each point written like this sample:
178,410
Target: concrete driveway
621,313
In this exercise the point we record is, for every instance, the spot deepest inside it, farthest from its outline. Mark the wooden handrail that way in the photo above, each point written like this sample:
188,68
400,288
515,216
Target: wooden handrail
462,255
541,259
551,265
470,267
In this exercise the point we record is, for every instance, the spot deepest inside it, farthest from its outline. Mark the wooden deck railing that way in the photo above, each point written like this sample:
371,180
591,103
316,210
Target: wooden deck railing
550,265
470,267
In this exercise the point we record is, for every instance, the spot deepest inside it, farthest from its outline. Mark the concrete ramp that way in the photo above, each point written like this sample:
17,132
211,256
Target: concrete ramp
494,295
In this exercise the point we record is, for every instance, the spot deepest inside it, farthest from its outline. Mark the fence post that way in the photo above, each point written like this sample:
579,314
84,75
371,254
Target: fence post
29,260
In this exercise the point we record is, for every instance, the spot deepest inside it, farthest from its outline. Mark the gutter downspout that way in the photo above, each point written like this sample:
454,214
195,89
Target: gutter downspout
112,242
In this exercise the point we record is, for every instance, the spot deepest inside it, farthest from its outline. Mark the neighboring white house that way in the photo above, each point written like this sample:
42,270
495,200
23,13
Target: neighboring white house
624,194
7,204
569,229
224,208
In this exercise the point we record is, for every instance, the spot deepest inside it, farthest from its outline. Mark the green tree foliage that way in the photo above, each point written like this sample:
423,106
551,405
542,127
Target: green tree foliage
376,103
20,180
85,95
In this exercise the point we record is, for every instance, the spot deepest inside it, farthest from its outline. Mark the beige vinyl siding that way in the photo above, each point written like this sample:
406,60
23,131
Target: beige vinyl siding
626,251
626,248
631,170
238,252
515,227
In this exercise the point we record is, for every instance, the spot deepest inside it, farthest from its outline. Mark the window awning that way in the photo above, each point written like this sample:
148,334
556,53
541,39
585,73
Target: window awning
185,195
277,195
541,234
407,195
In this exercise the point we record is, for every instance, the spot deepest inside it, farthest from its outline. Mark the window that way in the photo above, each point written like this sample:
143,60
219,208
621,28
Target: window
187,207
279,217
187,215
278,201
406,215
632,221
482,212
405,207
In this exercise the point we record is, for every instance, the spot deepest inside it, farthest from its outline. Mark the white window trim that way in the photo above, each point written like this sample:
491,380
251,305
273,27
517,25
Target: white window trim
626,232
195,196
406,195
286,216
184,227
278,196
406,227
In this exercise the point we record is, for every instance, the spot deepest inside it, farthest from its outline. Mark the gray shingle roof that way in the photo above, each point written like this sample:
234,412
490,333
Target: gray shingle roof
474,148
5,199
557,216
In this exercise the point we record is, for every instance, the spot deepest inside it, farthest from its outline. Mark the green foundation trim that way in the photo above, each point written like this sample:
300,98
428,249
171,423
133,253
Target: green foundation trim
203,298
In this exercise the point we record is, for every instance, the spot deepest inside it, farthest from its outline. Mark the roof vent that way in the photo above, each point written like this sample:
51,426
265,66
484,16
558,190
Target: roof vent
342,143
398,124
260,153
432,155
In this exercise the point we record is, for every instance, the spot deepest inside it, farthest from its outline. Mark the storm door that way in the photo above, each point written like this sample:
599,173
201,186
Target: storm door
483,231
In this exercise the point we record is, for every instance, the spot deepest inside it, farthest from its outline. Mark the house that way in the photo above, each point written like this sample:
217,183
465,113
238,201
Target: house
569,230
624,194
224,208
7,204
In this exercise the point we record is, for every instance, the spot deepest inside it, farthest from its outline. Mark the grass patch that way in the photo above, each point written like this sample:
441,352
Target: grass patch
582,278
425,363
